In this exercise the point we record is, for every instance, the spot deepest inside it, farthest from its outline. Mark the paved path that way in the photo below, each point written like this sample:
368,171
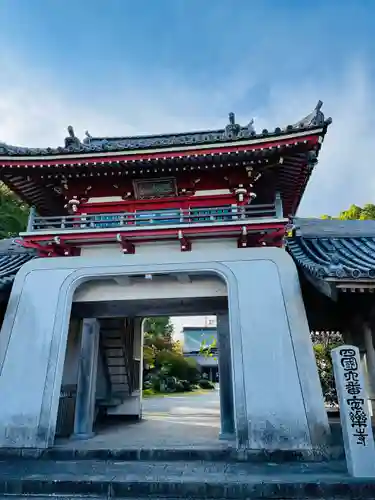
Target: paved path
207,404
168,422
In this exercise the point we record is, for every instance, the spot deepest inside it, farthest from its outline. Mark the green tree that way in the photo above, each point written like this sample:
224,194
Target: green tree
323,343
167,369
175,365
159,328
368,212
207,348
13,213
149,355
354,212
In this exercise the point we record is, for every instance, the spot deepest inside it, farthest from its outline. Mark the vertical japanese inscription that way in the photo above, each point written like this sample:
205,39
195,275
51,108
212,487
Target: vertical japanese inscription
357,413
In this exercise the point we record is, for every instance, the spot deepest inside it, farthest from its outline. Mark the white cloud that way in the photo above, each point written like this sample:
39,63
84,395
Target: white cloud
35,111
345,173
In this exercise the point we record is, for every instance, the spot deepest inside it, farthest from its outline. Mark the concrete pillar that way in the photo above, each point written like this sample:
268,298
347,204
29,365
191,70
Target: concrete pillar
225,377
87,374
138,351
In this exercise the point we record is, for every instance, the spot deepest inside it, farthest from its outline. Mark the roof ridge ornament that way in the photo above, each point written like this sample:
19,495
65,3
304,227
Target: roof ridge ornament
234,131
250,127
314,119
72,141
88,138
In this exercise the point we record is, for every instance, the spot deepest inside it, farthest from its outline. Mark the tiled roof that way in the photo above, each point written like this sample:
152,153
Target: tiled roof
12,258
232,132
338,249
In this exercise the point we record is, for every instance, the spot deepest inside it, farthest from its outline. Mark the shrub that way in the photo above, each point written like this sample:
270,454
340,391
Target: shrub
175,365
153,382
186,385
148,392
147,384
206,384
179,386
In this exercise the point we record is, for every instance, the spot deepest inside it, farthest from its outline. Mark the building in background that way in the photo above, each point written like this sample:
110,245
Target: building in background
194,338
180,322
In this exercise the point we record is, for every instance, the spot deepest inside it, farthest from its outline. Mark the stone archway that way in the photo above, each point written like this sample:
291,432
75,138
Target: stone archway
277,396
116,301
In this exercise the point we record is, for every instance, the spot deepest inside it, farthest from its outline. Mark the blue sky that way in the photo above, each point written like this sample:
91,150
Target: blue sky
123,67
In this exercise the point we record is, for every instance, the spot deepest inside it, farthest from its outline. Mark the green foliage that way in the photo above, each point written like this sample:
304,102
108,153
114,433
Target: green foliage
323,343
148,392
206,384
368,212
159,327
157,337
206,349
177,347
149,353
355,212
186,385
175,365
13,213
167,369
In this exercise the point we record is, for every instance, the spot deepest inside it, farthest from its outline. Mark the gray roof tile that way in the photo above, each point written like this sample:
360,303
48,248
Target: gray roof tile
334,248
12,258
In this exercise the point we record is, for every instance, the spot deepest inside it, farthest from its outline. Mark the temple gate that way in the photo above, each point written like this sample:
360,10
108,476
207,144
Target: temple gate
205,207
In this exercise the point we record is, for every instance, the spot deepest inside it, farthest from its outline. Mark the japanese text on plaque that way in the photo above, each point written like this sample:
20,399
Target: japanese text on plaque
357,414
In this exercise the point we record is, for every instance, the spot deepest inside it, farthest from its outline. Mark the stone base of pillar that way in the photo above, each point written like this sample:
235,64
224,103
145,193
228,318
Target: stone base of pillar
227,436
82,437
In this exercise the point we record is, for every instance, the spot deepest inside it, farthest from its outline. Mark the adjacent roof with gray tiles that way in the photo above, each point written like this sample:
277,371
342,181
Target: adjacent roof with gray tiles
12,258
338,249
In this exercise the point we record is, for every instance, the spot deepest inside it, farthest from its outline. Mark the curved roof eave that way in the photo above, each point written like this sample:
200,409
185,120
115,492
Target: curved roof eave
232,133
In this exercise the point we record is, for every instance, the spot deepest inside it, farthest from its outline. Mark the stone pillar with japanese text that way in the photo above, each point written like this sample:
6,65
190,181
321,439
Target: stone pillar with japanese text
354,413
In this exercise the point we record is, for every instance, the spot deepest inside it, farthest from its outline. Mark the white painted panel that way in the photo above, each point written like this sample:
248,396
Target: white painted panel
102,250
211,192
104,199
162,247
95,291
216,244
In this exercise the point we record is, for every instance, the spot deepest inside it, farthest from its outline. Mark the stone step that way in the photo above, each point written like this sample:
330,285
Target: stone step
178,479
55,497
225,453
63,497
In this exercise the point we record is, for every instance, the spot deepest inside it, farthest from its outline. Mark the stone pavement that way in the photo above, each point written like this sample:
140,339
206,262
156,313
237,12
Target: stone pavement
175,421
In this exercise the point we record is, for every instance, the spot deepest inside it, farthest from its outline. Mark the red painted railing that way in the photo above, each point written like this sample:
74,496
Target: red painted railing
173,217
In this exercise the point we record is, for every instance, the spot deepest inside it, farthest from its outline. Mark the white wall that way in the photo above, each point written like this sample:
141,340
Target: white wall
107,250
143,289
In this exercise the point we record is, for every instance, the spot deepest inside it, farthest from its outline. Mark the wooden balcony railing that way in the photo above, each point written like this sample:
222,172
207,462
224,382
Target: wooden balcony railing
166,217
